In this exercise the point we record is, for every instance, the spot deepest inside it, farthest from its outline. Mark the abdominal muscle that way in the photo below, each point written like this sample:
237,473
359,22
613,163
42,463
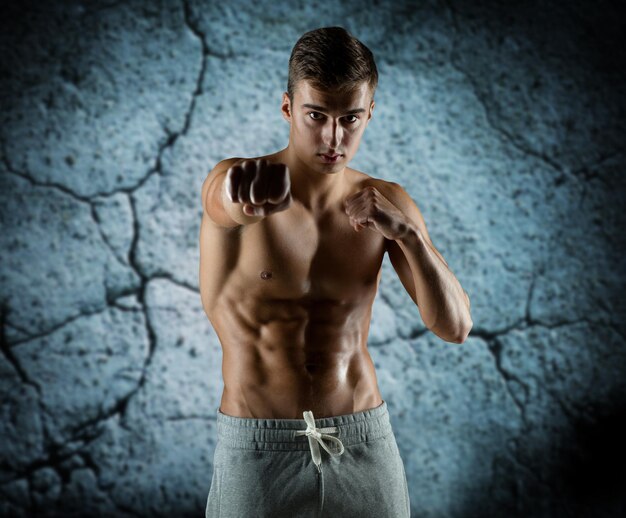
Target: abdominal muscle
290,298
314,357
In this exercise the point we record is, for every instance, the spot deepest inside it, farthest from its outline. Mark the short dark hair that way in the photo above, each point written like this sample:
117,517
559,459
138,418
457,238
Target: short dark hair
330,58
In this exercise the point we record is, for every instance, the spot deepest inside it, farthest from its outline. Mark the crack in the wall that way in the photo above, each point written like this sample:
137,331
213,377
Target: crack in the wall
69,192
110,301
559,401
168,276
589,173
54,458
490,335
99,9
191,416
64,474
135,227
527,321
615,327
29,507
24,378
85,433
33,336
205,52
382,343
384,298
170,141
122,404
93,428
495,348
92,465
508,137
582,174
415,334
172,137
8,353
518,460
529,298
29,178
96,219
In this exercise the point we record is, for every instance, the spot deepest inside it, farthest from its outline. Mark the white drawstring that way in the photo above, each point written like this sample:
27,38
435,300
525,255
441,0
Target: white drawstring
316,437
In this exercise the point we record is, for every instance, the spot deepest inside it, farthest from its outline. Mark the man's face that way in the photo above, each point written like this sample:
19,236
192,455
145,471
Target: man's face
326,122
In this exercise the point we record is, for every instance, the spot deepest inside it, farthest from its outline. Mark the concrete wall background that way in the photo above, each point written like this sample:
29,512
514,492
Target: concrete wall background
506,126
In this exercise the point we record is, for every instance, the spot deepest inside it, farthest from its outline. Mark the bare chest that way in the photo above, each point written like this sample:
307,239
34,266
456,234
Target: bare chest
292,255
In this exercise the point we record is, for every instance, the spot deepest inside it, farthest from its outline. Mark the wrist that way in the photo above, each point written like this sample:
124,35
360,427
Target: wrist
408,233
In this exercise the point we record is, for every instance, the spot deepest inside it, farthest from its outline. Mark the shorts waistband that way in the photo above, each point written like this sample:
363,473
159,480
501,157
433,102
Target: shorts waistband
292,434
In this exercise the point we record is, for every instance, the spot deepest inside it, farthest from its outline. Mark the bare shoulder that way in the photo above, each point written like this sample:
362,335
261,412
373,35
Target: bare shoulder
397,195
361,180
221,166
224,165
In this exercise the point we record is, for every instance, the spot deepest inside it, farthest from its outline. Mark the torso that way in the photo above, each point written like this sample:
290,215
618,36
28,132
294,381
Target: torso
290,298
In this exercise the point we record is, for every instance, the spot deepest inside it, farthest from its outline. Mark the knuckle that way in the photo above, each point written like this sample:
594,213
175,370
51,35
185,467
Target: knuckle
248,166
255,196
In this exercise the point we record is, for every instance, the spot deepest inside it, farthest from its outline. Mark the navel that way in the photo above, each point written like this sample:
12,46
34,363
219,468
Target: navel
266,275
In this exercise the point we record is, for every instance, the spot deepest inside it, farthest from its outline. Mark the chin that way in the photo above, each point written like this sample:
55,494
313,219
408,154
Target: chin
329,168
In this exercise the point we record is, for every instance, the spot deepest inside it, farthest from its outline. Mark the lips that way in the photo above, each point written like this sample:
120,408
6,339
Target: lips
330,159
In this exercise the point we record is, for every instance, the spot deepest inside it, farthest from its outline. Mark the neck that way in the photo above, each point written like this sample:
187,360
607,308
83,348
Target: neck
315,186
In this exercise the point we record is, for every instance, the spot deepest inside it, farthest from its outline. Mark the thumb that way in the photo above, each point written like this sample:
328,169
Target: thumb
248,210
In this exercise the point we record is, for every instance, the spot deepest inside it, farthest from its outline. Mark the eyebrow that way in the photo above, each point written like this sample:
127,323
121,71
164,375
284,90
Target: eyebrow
322,109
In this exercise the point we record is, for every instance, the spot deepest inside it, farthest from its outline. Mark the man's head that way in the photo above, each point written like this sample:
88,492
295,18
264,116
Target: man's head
330,58
331,74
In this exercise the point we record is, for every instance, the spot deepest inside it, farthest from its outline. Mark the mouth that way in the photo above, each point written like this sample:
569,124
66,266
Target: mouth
330,158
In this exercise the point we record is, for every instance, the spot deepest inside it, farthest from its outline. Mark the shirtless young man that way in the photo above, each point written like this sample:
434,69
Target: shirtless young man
291,249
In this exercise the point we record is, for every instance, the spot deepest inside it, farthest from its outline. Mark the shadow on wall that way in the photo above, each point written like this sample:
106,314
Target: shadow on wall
581,474
596,469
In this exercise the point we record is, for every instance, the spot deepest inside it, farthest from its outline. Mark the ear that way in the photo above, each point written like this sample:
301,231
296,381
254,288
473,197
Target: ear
285,107
371,110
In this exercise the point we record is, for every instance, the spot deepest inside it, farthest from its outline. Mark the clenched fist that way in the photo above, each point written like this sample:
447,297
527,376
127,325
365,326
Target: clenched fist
261,187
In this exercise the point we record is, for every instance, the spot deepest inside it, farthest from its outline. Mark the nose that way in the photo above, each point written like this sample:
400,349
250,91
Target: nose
333,133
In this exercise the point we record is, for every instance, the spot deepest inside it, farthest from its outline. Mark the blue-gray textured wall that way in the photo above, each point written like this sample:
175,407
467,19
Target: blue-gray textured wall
505,124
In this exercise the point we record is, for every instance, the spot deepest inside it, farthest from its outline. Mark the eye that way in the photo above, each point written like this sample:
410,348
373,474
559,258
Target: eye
355,119
316,113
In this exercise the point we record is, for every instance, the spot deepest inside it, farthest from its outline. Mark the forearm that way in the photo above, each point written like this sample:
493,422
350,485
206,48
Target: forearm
442,303
223,211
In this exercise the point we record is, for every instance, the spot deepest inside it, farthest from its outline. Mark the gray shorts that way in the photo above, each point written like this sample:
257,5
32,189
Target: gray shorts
343,466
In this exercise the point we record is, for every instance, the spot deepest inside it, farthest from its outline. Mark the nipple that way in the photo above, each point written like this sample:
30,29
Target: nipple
266,275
